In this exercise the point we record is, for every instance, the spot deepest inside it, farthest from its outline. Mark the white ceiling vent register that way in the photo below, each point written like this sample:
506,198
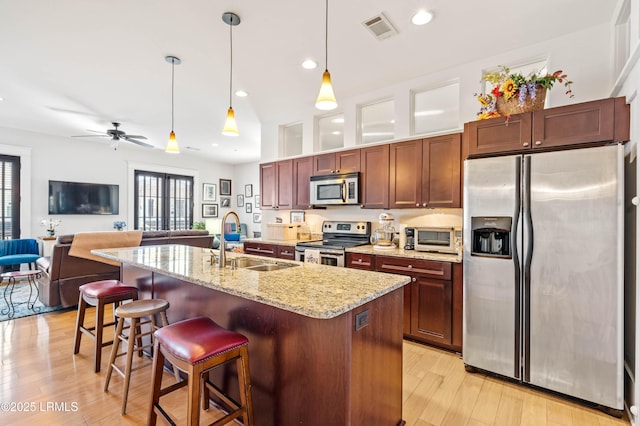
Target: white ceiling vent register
380,27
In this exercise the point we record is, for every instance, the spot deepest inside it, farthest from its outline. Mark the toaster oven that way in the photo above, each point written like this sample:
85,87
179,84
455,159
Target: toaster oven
438,239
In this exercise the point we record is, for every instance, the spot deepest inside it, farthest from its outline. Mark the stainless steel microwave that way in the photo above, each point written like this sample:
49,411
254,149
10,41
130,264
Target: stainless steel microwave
335,189
438,239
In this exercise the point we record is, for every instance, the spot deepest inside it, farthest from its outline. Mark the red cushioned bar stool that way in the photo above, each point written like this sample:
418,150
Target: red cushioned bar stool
99,294
197,346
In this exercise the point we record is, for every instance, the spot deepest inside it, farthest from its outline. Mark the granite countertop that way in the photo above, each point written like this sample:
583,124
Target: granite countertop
316,291
409,254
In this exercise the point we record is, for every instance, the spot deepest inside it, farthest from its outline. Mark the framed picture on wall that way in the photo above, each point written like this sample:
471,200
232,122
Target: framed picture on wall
209,191
225,186
248,190
248,208
240,200
209,210
257,201
257,217
225,202
296,216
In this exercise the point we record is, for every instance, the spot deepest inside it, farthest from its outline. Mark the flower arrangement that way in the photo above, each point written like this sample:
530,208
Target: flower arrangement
51,225
119,225
515,88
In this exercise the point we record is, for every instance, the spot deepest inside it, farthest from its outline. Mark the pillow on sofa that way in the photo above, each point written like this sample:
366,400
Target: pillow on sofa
232,237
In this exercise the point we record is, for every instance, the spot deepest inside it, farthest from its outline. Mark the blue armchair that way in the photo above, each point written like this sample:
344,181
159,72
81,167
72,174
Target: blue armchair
16,252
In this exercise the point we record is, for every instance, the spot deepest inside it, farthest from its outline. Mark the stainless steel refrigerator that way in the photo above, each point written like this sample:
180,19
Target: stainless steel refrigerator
543,279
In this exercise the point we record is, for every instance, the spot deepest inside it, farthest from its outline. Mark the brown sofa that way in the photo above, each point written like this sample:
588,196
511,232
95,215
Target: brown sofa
62,274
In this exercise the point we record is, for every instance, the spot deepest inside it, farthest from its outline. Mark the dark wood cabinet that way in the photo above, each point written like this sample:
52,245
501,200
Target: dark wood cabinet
276,185
433,300
337,162
286,252
301,173
425,172
583,124
260,249
360,261
374,177
270,250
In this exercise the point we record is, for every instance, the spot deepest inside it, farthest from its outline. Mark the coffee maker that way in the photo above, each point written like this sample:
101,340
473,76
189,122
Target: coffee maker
410,234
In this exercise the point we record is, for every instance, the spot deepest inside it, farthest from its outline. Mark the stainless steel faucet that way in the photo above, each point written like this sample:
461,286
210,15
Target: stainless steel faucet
222,244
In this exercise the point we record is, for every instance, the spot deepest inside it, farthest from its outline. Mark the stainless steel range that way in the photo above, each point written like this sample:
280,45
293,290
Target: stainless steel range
336,237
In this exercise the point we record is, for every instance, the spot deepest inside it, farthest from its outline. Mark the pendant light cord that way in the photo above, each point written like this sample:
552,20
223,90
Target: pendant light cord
173,65
230,57
326,35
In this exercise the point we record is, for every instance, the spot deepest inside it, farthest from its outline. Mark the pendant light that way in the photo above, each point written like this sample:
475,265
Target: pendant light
230,125
172,144
326,98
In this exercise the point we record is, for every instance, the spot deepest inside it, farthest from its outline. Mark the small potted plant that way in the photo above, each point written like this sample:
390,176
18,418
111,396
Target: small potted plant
119,225
514,93
51,225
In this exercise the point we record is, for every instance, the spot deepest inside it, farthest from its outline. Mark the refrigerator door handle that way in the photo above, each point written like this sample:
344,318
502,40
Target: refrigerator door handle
516,268
528,240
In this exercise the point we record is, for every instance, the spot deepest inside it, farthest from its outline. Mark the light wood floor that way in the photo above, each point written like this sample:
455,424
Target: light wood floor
40,375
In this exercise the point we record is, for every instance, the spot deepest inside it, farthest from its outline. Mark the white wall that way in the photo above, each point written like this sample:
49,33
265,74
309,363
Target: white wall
60,158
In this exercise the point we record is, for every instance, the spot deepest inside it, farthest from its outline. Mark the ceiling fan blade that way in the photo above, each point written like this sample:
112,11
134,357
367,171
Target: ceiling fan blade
95,131
91,136
137,136
146,145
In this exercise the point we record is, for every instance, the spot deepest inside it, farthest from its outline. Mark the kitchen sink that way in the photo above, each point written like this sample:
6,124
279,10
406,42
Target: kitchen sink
260,265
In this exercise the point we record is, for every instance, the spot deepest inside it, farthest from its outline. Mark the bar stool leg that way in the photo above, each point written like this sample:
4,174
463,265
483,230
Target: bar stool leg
99,332
82,307
193,409
165,322
114,352
156,382
131,344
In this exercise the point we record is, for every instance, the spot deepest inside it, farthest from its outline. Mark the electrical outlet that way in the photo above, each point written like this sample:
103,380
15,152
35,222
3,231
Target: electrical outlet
362,319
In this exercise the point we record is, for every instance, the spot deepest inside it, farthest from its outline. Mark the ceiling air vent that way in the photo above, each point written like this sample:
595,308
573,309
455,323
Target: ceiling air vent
380,27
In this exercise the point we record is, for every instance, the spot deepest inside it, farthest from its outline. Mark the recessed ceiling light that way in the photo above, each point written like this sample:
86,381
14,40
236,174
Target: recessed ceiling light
214,144
241,93
309,64
1,99
422,17
336,133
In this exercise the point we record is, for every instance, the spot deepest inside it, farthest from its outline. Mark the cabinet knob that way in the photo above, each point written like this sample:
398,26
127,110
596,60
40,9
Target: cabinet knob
359,260
525,144
424,204
414,279
410,266
417,204
538,143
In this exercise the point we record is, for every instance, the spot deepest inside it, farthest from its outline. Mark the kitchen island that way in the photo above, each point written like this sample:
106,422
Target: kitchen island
325,342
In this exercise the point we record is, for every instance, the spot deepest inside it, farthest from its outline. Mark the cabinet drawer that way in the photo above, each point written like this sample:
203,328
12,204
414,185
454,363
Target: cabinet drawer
286,252
421,267
268,250
360,261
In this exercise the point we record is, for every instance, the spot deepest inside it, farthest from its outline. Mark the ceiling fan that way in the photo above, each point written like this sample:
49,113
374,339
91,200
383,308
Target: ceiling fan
116,135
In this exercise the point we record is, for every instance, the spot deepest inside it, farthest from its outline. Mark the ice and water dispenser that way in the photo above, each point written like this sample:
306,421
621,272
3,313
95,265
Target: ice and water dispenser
491,236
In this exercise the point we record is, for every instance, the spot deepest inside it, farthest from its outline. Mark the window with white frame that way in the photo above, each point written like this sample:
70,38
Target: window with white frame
330,132
291,139
436,109
376,122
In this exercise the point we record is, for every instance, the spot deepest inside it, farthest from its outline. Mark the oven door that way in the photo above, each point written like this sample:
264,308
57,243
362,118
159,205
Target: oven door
330,258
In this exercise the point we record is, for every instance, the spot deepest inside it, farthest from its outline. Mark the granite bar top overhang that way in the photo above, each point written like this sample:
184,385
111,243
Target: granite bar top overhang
316,291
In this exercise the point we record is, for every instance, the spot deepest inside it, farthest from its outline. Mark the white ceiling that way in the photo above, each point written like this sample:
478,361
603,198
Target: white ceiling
72,65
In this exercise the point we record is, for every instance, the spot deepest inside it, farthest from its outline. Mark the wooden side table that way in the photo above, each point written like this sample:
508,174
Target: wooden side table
11,278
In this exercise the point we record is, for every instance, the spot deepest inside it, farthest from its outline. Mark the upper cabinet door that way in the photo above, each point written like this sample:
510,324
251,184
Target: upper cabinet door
301,174
441,171
284,193
324,164
348,161
495,135
374,180
405,174
268,186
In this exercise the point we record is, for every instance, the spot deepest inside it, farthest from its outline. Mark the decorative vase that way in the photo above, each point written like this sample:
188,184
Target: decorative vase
51,232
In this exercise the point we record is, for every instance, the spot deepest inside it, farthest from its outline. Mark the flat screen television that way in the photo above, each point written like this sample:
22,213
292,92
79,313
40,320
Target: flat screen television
82,198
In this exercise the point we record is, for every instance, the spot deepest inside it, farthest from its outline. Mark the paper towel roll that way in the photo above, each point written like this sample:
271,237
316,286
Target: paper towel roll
312,256
402,238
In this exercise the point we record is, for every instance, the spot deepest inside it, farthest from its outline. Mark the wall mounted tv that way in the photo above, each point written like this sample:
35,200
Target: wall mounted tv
82,198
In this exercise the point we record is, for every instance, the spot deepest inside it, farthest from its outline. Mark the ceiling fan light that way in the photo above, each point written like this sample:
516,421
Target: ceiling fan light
230,125
172,144
326,98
